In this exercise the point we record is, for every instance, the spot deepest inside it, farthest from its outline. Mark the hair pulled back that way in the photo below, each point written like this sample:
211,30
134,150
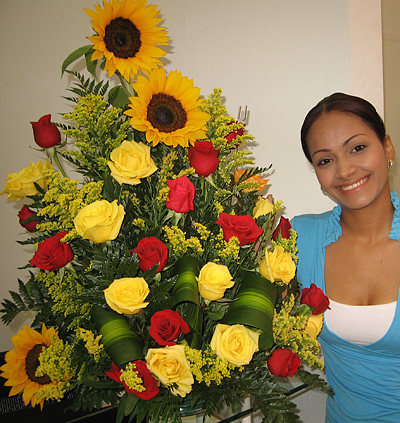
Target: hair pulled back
344,103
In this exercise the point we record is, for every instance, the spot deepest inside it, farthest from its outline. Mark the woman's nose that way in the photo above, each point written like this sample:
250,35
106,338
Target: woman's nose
344,168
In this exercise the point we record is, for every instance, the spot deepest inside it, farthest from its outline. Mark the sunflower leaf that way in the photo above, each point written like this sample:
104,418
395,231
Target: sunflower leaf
75,55
91,65
118,98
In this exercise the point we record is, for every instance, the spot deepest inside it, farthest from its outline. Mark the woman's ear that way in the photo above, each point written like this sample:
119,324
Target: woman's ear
389,149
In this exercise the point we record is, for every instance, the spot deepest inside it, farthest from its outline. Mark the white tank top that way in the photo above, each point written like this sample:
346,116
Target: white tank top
360,325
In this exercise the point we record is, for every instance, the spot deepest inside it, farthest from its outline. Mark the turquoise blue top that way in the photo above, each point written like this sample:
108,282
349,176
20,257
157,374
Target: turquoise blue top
365,378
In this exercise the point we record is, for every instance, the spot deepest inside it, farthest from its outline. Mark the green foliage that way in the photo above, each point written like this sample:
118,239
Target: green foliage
313,380
86,86
32,296
75,55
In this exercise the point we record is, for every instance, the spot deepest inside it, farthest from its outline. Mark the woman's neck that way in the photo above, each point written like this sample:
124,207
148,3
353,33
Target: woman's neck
370,223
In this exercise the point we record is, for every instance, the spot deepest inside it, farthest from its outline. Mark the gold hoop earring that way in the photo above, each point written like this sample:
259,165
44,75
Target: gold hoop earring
390,164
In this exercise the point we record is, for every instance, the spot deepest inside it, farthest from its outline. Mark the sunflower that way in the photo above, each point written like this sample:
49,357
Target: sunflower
22,362
127,36
167,109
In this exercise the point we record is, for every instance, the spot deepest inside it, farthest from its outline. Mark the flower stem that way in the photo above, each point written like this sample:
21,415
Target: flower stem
128,88
52,152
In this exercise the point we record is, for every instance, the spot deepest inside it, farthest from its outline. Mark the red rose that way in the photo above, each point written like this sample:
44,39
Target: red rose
243,227
166,326
233,134
151,251
46,133
24,214
203,158
149,382
283,362
315,298
283,228
181,195
52,254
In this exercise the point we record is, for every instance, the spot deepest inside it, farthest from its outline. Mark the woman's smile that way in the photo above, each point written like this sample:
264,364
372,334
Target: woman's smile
354,185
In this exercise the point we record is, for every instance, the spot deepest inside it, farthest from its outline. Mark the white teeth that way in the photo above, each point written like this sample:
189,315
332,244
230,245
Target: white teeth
357,184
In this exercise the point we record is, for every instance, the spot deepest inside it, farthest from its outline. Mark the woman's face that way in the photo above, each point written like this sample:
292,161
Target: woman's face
349,159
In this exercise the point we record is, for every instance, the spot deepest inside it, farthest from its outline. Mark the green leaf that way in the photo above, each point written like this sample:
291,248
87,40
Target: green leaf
186,295
89,380
118,98
193,315
131,402
91,65
74,56
253,306
186,288
121,408
120,342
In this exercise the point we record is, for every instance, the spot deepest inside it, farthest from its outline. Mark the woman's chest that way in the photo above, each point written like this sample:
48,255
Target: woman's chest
358,274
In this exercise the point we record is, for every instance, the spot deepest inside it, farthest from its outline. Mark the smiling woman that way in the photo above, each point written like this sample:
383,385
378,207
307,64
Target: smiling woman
349,158
353,256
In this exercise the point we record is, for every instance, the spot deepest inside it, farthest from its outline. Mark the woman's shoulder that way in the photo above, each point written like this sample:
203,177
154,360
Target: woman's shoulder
311,219
318,228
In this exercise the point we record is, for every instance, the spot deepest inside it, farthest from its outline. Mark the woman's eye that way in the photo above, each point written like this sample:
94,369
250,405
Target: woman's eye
358,148
323,162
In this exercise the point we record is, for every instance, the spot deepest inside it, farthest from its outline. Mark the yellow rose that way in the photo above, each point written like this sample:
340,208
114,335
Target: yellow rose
100,221
213,280
20,185
130,162
263,206
170,365
314,325
278,265
236,343
127,295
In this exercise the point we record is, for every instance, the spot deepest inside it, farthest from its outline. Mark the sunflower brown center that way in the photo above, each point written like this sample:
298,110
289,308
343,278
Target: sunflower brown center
166,113
122,38
32,363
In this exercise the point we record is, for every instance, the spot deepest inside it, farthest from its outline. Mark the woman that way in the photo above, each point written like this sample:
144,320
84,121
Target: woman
353,254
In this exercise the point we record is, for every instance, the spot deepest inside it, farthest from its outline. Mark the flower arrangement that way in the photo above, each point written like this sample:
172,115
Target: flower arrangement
161,275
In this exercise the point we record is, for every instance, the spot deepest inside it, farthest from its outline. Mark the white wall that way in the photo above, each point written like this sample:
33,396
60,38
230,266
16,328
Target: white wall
391,62
277,57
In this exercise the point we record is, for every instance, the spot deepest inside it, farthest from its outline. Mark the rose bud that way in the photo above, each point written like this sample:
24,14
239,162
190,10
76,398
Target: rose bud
181,195
314,325
283,362
261,183
151,251
243,227
203,158
167,326
231,137
52,254
46,133
315,298
283,229
24,214
149,382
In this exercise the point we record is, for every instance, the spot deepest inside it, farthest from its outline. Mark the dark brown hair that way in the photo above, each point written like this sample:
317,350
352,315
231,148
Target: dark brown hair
345,103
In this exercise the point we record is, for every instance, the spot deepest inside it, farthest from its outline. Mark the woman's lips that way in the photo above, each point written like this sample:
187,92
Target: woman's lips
355,185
